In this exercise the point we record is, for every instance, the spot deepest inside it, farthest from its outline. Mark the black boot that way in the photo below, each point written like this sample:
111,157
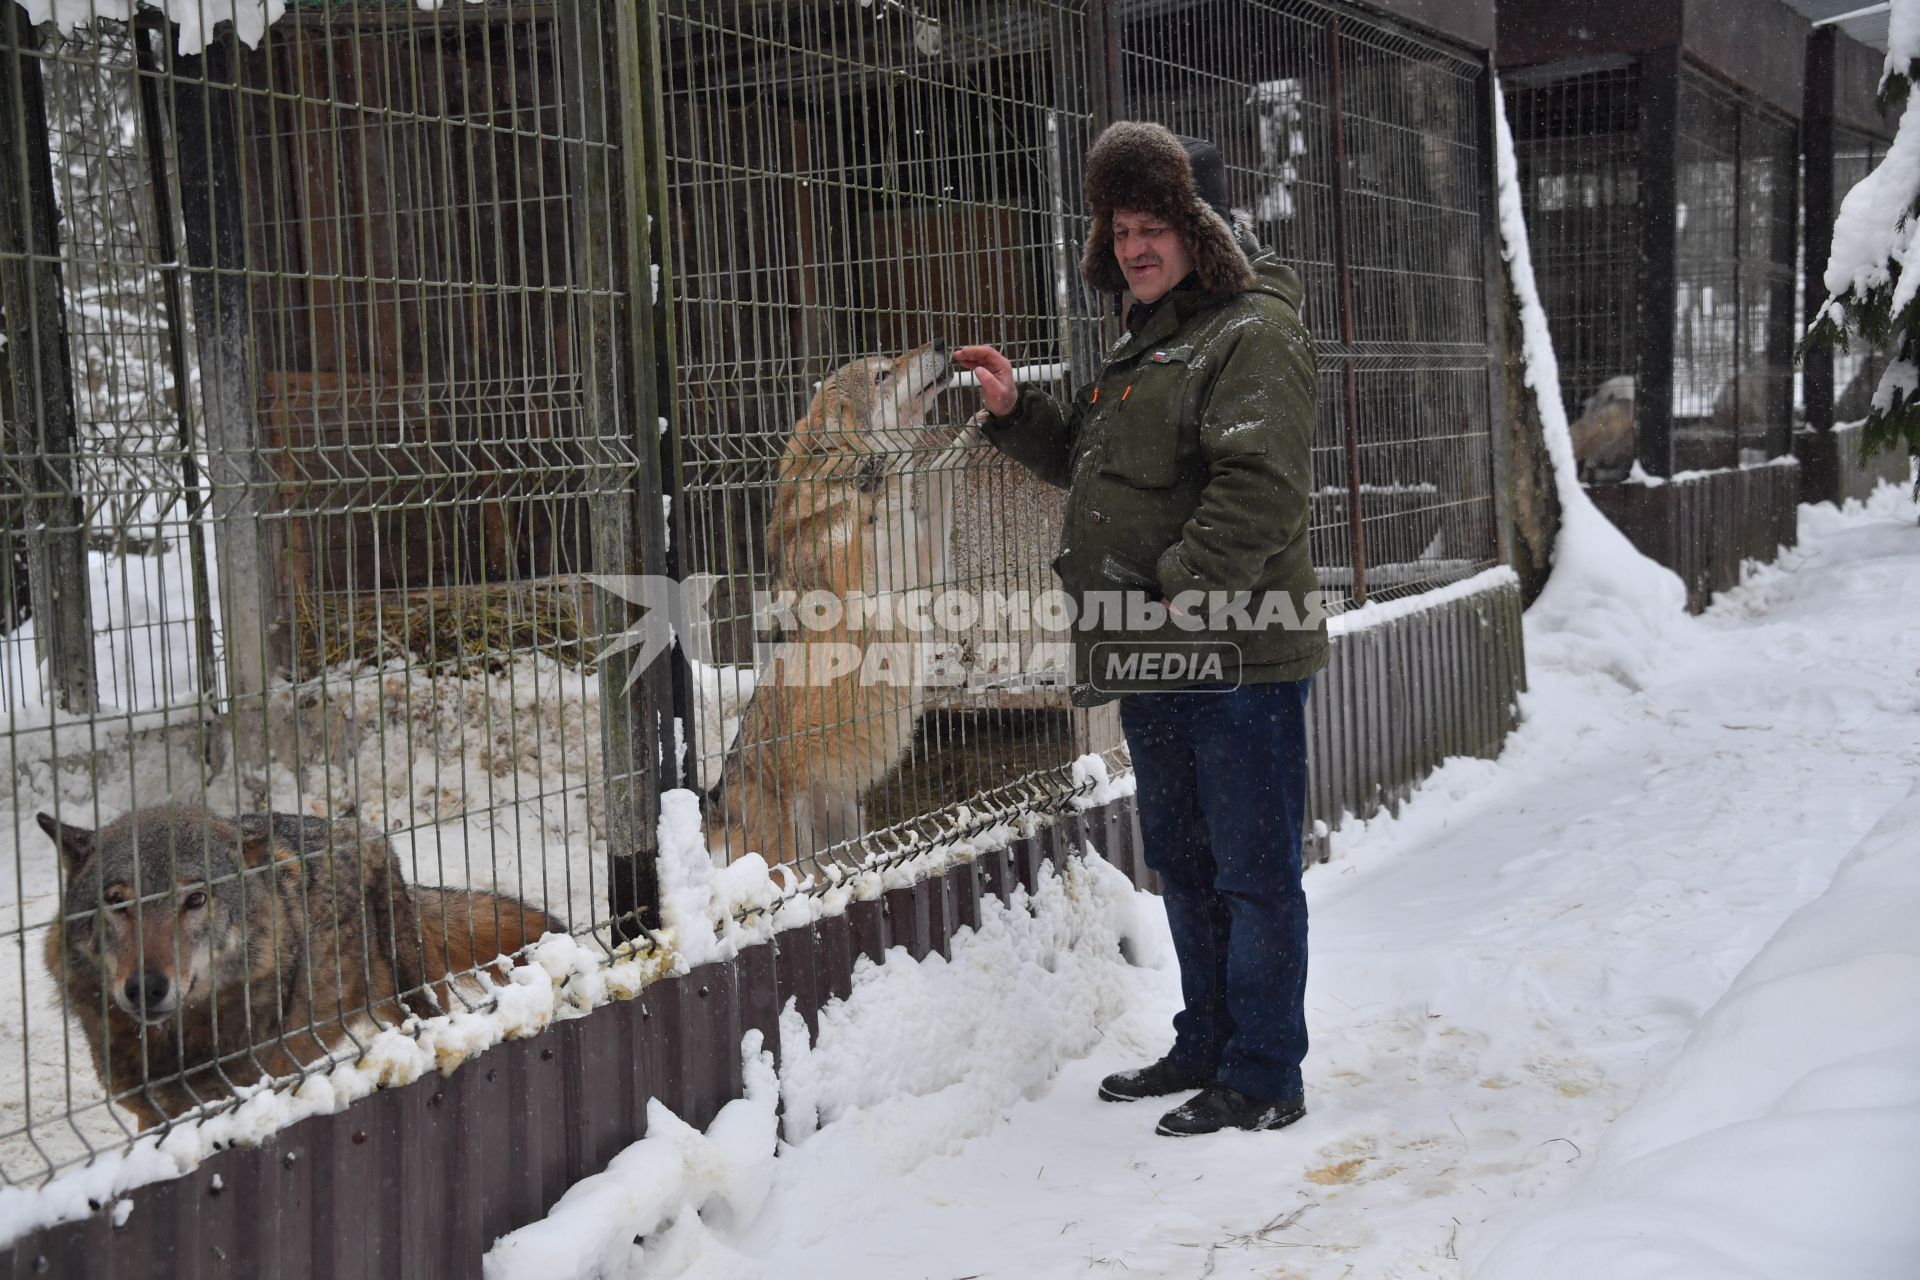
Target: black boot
1218,1107
1163,1077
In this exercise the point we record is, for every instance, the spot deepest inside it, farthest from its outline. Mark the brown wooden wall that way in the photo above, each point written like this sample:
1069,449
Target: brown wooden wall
407,216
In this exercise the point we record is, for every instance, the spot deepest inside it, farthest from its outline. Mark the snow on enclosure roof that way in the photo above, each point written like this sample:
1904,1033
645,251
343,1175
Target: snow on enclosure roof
1859,19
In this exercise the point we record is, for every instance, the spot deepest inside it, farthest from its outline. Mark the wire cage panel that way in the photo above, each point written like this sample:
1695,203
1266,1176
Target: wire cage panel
306,391
1736,219
1580,136
331,370
1576,142
409,271
1707,268
850,184
1358,149
115,475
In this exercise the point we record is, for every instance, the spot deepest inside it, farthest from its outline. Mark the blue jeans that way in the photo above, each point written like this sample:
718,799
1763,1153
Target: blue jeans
1222,790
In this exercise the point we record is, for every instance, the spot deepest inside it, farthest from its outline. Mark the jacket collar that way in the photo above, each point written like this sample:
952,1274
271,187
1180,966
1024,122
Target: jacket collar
1167,320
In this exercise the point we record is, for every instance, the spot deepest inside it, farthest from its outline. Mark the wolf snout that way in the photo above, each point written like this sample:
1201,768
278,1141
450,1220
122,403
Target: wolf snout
149,996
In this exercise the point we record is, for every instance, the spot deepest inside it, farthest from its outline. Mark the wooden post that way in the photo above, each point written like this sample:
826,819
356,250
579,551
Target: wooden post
212,209
1819,479
36,401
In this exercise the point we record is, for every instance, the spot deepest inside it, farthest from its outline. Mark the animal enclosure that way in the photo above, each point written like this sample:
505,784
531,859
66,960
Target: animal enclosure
1361,150
1652,190
927,186
314,429
402,412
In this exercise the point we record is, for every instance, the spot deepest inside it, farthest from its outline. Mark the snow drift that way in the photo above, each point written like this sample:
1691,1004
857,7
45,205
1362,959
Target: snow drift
1784,1139
1606,608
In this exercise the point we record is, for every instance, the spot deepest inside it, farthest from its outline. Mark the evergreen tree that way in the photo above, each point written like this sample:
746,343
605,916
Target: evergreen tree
1872,299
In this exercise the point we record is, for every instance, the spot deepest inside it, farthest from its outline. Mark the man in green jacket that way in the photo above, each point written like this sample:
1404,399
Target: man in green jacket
1187,465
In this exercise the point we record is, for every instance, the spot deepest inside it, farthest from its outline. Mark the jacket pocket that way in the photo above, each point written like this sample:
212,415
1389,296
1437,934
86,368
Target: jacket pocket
1141,440
1143,454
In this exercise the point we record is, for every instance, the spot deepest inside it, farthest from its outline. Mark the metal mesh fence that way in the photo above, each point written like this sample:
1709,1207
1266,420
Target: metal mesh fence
854,191
1738,206
307,435
1579,134
1708,310
1576,142
359,387
1358,149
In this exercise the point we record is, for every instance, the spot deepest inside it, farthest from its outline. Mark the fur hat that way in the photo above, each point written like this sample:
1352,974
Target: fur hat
1138,165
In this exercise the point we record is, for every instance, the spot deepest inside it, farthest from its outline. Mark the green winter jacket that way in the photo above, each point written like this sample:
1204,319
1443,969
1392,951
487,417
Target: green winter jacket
1187,466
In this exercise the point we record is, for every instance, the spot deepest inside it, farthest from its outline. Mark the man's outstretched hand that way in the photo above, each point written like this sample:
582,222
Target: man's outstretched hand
997,390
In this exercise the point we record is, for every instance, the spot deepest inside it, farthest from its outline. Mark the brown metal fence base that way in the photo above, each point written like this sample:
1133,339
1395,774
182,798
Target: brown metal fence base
1398,699
1706,525
420,1180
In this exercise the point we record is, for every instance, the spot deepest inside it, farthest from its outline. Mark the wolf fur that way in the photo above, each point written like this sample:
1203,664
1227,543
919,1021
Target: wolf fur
203,953
1604,438
1742,404
857,517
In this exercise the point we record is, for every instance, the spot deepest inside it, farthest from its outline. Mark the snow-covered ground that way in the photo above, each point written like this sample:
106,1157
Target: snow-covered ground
1497,974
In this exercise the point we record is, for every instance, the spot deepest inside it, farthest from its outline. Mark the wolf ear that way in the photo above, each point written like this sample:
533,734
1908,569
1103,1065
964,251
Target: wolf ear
75,843
258,847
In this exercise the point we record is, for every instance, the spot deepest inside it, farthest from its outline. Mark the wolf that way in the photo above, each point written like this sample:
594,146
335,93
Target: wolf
854,516
202,953
1604,437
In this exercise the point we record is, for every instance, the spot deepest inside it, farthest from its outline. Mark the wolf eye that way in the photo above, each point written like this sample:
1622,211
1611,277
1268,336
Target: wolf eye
194,901
881,377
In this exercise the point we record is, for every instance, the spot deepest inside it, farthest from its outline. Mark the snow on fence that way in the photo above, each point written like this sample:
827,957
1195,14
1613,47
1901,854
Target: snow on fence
394,412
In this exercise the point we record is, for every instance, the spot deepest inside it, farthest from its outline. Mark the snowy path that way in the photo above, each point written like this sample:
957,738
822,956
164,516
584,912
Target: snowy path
1494,975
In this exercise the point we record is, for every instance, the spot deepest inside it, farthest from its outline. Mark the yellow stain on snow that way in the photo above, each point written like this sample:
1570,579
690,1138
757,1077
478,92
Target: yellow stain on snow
1345,1171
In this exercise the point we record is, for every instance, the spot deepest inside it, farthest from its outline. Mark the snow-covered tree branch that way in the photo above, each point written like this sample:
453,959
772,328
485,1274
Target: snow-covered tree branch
1872,297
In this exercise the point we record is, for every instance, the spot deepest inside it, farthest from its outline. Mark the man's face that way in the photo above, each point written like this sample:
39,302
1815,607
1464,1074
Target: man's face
1150,252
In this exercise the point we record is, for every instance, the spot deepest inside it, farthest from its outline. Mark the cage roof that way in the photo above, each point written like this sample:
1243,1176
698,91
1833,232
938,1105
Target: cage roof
1866,23
1758,45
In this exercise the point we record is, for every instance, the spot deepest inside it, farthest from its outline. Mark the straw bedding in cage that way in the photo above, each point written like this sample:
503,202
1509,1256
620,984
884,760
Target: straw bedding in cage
457,627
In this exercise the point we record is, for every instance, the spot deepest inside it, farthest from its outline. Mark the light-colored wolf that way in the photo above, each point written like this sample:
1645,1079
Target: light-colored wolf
863,511
202,953
1603,436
